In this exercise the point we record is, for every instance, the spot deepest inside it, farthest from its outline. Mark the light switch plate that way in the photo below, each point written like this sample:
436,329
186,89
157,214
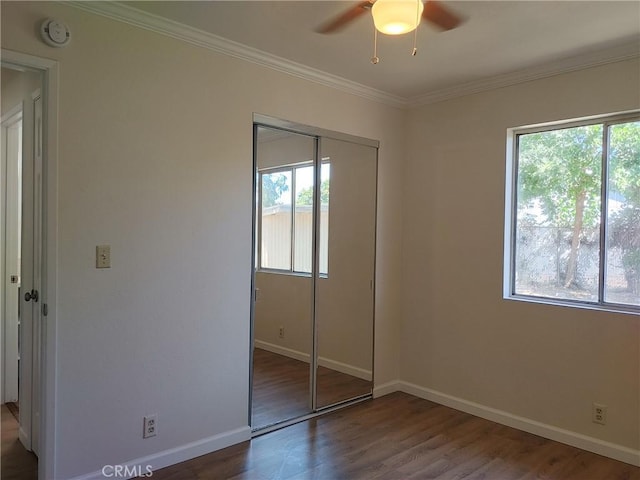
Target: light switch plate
103,256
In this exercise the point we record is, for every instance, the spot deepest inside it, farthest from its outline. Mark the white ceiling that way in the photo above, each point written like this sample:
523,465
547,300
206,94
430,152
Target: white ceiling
496,38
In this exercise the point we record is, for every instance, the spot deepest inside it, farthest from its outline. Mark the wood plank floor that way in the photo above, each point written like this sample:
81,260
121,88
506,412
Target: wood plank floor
398,437
281,388
15,462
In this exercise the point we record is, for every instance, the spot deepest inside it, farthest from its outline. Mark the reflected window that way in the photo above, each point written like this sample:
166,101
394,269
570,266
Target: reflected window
276,220
325,187
286,228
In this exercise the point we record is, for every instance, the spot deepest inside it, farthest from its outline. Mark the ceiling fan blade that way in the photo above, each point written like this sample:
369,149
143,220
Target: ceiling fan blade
439,15
342,20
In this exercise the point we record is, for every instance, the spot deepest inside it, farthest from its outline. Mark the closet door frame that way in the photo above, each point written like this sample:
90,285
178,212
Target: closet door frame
260,120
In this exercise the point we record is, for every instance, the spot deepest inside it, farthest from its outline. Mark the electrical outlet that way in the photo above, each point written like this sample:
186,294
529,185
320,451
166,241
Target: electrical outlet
150,426
281,332
599,413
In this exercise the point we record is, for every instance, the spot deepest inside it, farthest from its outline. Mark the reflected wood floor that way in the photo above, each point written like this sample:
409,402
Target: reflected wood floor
16,463
398,437
281,388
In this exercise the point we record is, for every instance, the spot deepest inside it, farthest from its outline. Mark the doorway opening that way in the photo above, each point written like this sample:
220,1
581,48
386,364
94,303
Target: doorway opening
21,267
313,272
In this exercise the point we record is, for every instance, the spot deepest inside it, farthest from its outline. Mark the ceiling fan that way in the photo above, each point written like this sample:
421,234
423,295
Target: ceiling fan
400,11
395,17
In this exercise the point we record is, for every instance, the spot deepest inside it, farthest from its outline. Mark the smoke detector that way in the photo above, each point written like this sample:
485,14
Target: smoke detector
55,33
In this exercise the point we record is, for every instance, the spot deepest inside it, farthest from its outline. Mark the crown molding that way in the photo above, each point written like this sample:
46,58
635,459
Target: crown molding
618,53
200,38
132,16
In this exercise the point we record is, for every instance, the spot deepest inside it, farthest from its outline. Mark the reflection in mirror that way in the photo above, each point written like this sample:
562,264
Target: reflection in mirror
314,270
344,294
282,310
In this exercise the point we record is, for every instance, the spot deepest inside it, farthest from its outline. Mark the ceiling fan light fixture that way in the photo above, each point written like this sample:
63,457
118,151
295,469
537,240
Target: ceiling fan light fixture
395,17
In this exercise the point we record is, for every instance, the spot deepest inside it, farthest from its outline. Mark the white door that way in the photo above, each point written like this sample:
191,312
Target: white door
30,304
37,274
10,203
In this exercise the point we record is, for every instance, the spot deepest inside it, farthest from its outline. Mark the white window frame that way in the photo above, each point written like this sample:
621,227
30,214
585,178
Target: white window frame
291,169
511,204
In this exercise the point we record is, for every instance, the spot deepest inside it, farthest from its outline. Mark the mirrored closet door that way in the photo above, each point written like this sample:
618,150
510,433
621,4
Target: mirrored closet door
344,287
314,249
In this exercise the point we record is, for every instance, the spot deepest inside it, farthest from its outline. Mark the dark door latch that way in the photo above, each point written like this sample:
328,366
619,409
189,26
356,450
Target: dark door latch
32,295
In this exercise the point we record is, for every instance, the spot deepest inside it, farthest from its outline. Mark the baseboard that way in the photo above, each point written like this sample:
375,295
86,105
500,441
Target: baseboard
584,442
345,368
138,467
322,361
24,438
386,388
284,351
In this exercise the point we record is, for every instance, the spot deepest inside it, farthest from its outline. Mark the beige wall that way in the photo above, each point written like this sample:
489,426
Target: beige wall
545,363
155,159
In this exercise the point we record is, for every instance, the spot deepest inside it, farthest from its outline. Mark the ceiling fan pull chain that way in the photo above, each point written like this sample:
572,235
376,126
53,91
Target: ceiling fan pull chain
415,32
375,58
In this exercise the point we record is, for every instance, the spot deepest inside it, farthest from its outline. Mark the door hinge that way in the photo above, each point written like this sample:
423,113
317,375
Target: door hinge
45,309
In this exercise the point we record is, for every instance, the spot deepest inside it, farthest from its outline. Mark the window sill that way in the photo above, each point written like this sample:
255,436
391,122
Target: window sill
608,308
290,273
283,272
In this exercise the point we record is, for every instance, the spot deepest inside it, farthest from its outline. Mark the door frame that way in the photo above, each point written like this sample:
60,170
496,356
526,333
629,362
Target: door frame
47,425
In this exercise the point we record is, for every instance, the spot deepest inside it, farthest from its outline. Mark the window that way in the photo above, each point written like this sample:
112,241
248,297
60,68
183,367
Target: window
573,224
286,226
